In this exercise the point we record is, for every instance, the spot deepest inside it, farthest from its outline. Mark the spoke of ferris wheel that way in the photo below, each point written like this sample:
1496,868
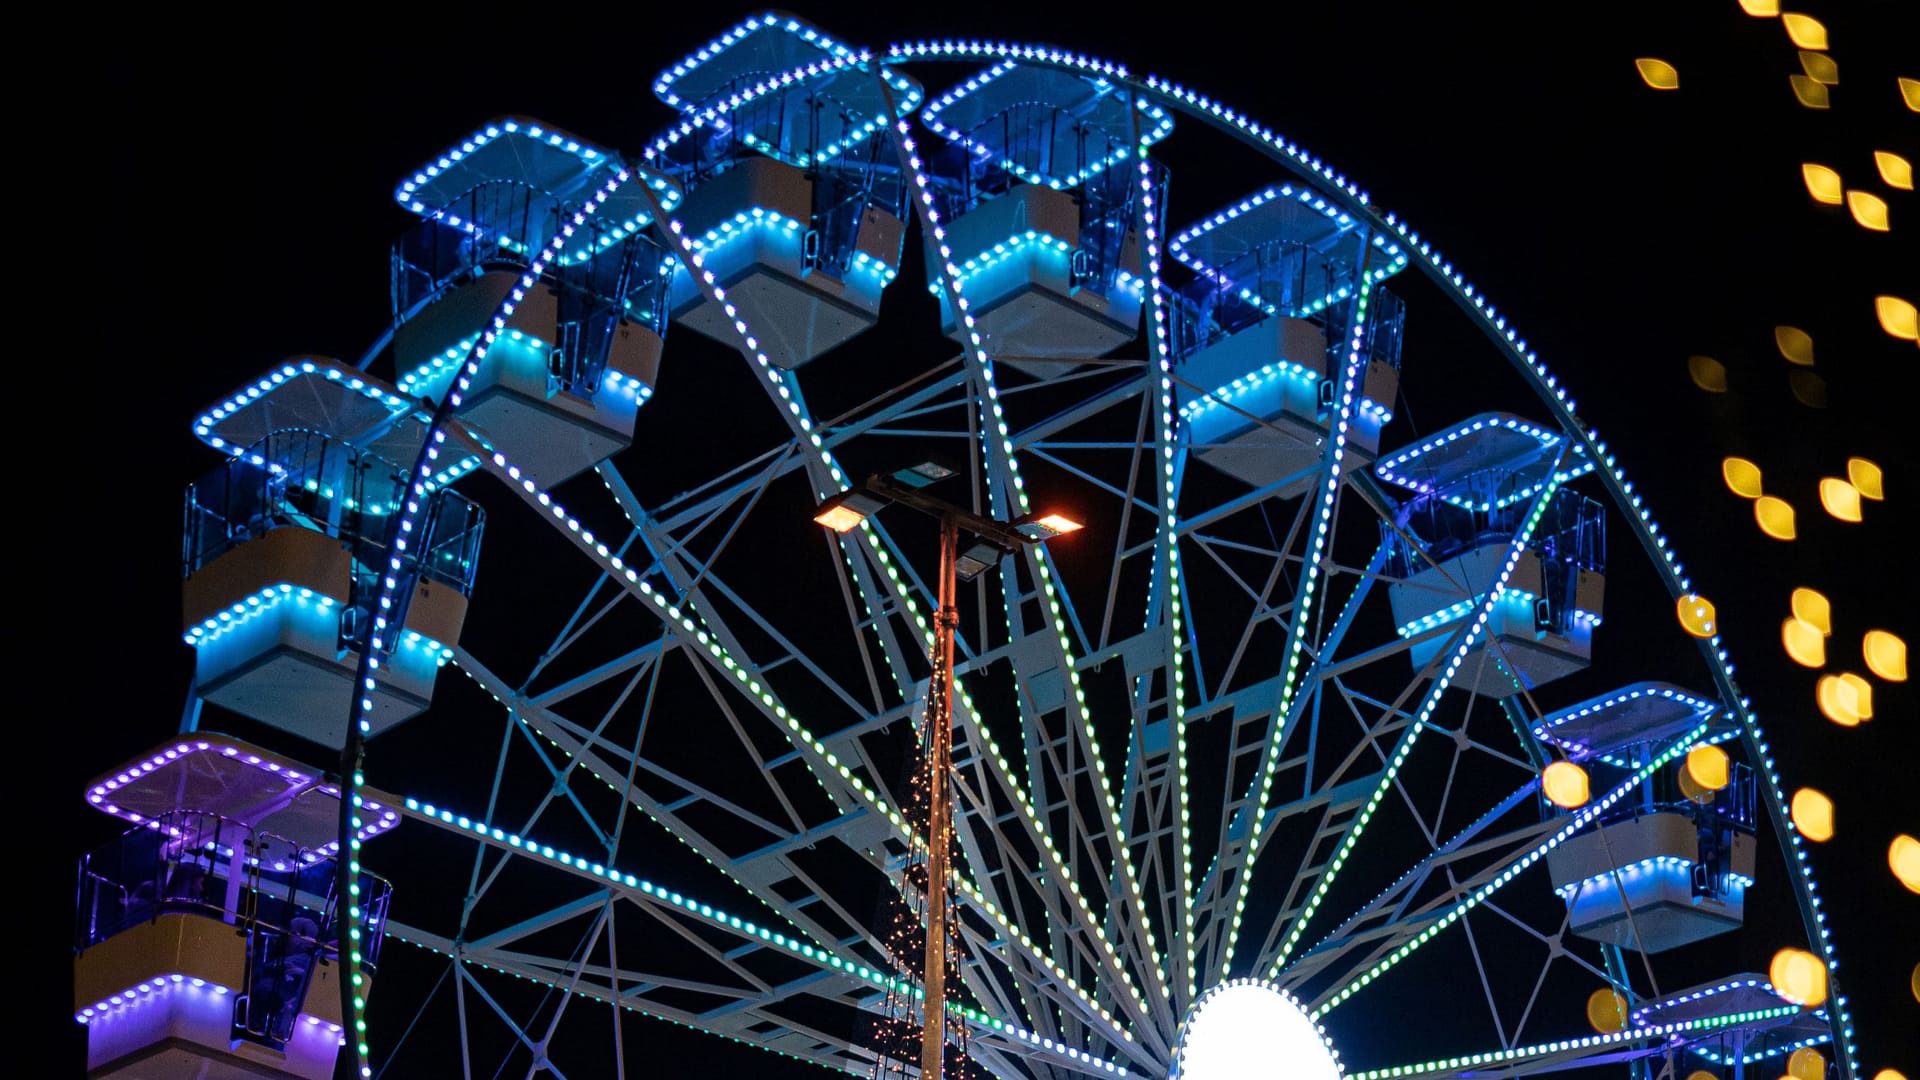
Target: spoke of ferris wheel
750,1010
856,792
1390,905
1409,934
1008,496
1583,1050
1470,628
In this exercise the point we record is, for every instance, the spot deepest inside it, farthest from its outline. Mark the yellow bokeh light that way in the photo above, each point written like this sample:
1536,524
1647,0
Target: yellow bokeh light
1759,9
1775,516
1820,67
1897,317
1910,92
1862,694
1823,183
1742,477
1903,855
1808,388
1807,1064
1799,977
1886,655
1865,477
1709,767
1804,643
1811,94
1813,814
1696,615
1707,373
1914,981
1691,789
1836,701
1892,1074
1811,606
1868,209
1795,344
1805,31
1840,498
1565,785
1658,73
1894,169
1606,1011
1702,1074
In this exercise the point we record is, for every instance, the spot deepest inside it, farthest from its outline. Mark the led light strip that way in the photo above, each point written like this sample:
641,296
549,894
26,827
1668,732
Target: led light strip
1306,196
1167,560
1162,125
1575,823
1458,610
1651,863
1531,367
1589,1042
203,427
1544,730
1342,420
101,794
1469,636
794,945
590,156
163,985
1386,469
1001,455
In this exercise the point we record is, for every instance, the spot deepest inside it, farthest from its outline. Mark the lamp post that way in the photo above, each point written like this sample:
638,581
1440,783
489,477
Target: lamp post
993,538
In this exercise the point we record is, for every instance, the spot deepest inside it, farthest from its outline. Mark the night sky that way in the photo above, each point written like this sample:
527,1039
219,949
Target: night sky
1621,228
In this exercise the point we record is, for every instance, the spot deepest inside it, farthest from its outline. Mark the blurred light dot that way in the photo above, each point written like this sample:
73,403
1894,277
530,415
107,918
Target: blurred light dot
1702,1074
1886,655
1868,209
1896,1074
1836,700
1894,169
1798,976
1795,344
1813,814
1807,1064
1811,94
1910,92
1822,183
1808,388
1606,1011
1904,856
1820,67
1840,498
1565,785
1915,980
1708,766
1811,606
1707,373
1862,694
1897,317
1759,9
1805,31
1742,477
1804,643
1696,615
1691,789
1865,477
1658,73
1775,517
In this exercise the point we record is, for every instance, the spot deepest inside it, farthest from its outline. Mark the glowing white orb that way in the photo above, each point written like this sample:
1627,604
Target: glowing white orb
1249,1030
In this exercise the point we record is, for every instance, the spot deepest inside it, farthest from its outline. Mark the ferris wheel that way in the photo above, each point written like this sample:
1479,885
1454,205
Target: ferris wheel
1289,736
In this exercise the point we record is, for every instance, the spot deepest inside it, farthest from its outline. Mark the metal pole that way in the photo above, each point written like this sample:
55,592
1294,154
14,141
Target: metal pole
939,762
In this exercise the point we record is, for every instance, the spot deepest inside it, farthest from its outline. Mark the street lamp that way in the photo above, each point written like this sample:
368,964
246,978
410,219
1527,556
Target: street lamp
992,540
